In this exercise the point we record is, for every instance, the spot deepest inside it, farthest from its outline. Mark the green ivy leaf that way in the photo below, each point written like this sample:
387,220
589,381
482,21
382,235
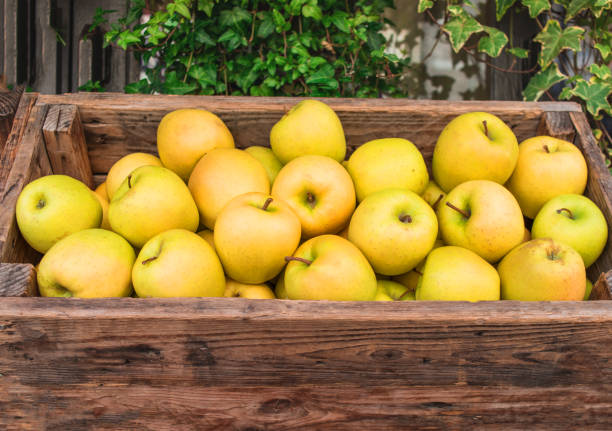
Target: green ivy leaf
266,28
126,38
493,43
601,71
173,85
542,81
183,10
339,19
460,27
605,50
424,5
202,37
501,7
575,7
205,75
232,38
206,6
536,7
279,20
312,10
595,94
518,52
554,41
234,17
566,93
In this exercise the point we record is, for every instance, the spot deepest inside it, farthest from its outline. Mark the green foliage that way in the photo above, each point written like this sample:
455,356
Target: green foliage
251,47
92,86
575,48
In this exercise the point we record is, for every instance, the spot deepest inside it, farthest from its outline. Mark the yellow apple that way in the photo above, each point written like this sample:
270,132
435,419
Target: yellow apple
390,163
125,166
234,289
387,290
482,216
91,263
526,235
279,289
54,206
457,274
151,200
320,192
266,157
542,270
177,263
253,234
433,194
104,204
185,135
474,146
101,191
546,167
574,220
208,235
395,229
410,279
221,175
587,291
309,128
332,268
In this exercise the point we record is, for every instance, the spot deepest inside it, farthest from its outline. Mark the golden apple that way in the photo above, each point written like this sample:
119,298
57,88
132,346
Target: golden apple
234,289
320,192
125,166
266,157
177,263
546,167
91,263
185,135
223,174
253,234
309,128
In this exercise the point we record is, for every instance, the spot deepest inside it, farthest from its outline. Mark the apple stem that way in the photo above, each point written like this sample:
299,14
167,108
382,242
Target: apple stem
418,272
486,130
435,204
40,204
310,200
405,218
404,294
459,210
297,259
129,181
151,259
266,204
553,253
560,210
546,148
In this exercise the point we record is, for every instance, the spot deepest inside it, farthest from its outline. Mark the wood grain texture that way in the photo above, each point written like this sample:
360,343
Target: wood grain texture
602,289
599,187
259,364
558,125
17,279
66,145
117,124
9,101
30,162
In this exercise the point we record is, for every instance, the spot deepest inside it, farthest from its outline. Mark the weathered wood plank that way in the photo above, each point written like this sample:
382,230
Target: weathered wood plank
118,124
219,363
66,143
599,186
9,101
17,279
30,162
602,289
558,125
325,407
244,343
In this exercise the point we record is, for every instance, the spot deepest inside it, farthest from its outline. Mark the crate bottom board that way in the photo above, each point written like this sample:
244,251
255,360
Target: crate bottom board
265,364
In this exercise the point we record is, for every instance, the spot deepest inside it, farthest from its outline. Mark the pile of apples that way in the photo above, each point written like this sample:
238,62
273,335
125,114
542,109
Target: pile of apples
297,221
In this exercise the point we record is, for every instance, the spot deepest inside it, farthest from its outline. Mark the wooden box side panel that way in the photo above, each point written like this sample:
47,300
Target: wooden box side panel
259,364
116,124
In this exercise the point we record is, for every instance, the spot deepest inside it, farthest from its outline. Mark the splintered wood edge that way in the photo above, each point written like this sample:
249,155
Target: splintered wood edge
602,288
17,279
66,145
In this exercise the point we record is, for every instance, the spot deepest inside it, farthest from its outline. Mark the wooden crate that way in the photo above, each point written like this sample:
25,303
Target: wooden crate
151,364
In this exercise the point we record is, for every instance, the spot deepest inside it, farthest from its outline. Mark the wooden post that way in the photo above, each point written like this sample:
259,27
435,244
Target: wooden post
9,100
17,279
66,144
